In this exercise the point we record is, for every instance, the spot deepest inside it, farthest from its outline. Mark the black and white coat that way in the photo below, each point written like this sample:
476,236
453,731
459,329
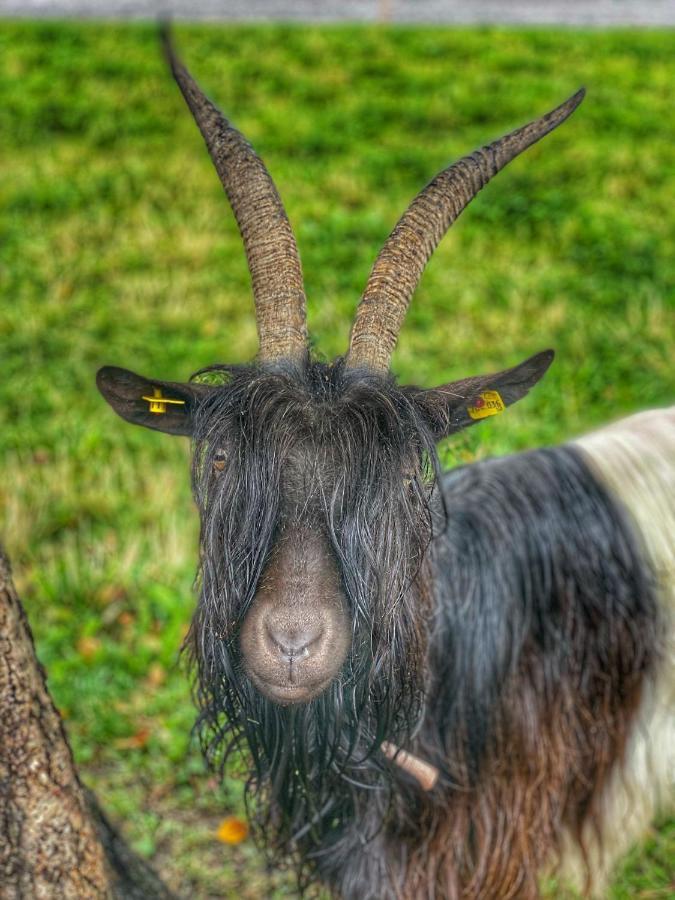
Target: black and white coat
635,460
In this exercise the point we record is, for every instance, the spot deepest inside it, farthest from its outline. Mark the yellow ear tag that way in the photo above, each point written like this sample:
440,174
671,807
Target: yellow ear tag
489,403
158,403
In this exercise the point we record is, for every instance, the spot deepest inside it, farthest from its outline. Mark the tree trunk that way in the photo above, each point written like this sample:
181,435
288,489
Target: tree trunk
54,839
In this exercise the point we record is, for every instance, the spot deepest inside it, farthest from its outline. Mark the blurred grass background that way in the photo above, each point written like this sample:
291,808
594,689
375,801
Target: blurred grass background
117,246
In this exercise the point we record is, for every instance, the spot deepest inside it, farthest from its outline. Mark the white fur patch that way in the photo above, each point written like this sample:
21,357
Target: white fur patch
635,458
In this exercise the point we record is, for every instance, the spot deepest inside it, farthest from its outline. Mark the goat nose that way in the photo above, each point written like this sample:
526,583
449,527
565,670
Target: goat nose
294,642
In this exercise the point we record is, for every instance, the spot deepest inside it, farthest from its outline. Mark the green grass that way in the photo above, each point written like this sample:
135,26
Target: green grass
117,246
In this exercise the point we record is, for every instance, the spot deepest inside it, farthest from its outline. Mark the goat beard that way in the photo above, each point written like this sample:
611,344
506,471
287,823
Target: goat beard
307,768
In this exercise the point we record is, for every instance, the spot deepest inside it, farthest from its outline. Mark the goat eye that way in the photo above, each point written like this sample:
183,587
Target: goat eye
219,461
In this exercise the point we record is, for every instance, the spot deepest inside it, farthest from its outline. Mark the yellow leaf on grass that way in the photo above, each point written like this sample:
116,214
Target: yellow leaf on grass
88,646
135,742
232,830
156,675
110,593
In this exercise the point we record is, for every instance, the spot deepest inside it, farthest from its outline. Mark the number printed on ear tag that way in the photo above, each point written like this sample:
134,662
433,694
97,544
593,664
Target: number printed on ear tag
489,403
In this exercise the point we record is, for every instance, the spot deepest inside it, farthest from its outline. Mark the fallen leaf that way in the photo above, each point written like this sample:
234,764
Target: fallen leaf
151,642
232,830
156,675
87,646
135,742
110,593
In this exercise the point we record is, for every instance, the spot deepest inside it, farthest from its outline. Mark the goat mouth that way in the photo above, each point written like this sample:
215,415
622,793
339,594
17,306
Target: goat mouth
289,694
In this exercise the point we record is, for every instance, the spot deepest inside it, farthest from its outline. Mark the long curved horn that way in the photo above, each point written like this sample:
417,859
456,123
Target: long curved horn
271,251
400,264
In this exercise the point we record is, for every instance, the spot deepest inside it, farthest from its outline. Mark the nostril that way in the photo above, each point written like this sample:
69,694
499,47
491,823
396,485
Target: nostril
294,642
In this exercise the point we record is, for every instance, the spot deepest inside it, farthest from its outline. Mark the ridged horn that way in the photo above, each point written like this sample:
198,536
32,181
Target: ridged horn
400,264
271,250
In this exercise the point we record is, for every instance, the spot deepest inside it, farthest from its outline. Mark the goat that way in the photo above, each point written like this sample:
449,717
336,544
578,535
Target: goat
443,683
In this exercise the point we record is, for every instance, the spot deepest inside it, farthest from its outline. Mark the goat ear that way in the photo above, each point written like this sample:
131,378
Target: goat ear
454,406
163,405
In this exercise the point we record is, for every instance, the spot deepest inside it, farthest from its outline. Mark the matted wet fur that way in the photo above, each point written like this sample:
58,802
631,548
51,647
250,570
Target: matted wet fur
511,658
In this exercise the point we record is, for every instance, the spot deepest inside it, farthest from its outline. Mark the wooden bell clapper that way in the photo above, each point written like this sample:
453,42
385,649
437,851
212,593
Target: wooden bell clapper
424,773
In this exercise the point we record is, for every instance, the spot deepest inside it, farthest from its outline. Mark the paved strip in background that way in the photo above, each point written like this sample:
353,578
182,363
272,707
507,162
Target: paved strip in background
524,12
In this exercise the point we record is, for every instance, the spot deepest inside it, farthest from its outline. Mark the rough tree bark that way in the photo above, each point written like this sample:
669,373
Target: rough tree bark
54,839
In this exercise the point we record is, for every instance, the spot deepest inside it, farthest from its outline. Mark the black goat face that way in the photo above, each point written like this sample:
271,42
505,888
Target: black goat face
313,489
